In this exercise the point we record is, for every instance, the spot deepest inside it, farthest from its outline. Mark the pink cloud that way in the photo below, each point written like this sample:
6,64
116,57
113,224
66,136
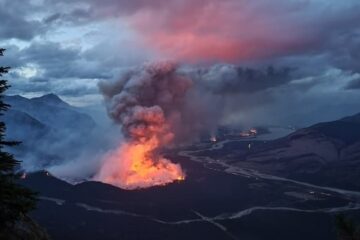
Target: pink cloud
220,30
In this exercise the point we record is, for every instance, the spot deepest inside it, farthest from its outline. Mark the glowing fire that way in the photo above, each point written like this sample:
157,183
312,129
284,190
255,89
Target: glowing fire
135,165
148,103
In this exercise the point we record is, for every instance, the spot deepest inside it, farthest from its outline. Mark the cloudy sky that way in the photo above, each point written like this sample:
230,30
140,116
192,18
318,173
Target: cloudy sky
313,46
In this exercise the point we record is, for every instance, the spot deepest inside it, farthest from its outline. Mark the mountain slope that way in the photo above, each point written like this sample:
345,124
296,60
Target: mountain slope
52,111
51,99
48,128
18,123
326,153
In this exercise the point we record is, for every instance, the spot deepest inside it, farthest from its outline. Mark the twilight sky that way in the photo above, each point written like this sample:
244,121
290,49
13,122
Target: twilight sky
68,46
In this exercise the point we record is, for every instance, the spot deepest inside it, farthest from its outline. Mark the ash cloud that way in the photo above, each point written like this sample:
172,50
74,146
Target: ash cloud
230,79
231,94
156,99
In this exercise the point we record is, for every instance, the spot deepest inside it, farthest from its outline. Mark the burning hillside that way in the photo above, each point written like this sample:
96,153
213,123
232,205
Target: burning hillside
136,165
149,104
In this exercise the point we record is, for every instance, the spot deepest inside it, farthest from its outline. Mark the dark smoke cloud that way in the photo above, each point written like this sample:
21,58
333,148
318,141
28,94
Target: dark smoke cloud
155,100
230,94
230,79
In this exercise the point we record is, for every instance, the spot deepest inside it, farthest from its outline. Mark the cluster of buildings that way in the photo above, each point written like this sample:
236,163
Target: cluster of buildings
232,134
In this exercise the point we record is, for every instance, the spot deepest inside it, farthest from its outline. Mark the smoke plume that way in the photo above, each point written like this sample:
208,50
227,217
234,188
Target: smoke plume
150,104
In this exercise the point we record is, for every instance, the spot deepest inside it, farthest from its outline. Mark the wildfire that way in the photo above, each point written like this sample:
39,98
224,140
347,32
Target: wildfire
149,104
135,165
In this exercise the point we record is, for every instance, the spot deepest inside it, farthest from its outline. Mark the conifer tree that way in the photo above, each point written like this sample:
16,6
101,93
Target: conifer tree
15,200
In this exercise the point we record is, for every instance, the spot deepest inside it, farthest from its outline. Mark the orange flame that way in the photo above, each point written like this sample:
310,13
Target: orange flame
135,165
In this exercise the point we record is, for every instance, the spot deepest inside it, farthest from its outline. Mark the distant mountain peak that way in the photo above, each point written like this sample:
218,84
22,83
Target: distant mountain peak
15,97
51,95
51,99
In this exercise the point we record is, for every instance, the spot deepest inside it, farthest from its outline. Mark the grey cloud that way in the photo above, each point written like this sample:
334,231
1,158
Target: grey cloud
296,103
56,61
354,84
15,22
21,19
52,18
345,52
61,70
73,17
26,87
329,32
13,26
77,89
38,80
334,35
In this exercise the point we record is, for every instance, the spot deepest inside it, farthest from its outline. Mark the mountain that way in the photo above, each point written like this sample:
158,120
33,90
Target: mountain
48,128
52,111
18,123
51,99
326,153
